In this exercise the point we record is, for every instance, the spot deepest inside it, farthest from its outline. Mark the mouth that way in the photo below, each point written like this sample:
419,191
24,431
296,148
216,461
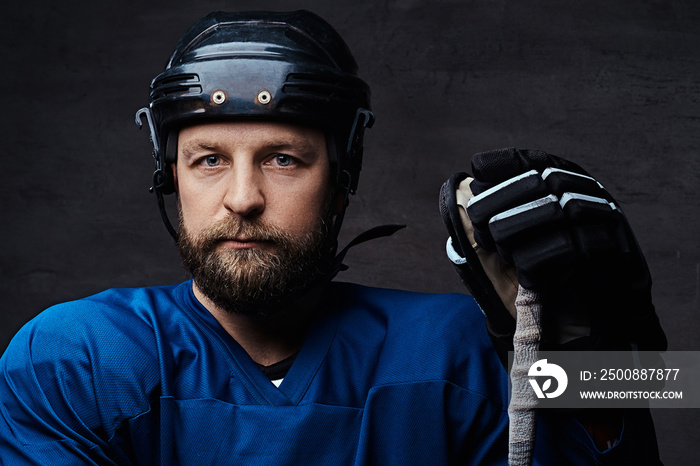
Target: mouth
244,243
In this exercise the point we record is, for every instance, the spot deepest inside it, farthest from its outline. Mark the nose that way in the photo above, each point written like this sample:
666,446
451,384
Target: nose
244,193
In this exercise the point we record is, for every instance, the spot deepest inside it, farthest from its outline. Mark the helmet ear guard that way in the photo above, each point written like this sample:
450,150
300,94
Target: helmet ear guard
170,156
351,160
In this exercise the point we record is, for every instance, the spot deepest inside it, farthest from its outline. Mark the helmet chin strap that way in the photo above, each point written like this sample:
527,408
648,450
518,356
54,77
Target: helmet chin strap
163,213
159,174
379,231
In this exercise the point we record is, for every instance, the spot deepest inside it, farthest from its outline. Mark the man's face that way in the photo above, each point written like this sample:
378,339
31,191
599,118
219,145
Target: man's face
254,202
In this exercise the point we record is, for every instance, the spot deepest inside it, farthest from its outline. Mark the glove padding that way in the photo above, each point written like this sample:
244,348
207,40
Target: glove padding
562,233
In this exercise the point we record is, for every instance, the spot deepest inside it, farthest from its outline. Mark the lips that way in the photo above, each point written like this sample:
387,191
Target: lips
244,242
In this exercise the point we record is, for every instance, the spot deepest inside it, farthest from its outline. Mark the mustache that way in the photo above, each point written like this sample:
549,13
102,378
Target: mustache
238,228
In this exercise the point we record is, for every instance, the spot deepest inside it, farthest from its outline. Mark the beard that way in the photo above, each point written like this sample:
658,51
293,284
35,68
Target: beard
253,281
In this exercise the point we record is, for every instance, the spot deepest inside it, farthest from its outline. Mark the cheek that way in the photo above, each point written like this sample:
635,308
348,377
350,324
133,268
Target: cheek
195,209
299,211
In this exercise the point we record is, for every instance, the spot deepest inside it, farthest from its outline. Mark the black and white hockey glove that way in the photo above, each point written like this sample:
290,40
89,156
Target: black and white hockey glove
531,218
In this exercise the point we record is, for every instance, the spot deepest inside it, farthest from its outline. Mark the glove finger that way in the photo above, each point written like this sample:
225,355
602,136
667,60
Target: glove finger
596,224
521,224
493,167
560,181
509,194
609,256
534,238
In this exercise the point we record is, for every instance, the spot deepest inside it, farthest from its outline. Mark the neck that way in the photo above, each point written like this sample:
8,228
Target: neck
266,340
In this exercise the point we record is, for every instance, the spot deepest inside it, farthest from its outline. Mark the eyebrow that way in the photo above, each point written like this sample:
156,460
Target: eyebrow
297,144
192,146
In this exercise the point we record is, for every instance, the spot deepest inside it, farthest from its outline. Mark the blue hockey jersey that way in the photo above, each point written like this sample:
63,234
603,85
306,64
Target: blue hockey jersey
148,376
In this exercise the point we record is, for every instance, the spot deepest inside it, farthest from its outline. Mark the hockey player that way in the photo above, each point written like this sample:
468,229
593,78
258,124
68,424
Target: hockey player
257,125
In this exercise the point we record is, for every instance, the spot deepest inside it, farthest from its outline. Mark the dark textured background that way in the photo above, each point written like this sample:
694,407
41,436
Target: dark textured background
612,85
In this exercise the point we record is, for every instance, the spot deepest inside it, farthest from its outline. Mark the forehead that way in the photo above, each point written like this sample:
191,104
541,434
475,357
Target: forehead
252,134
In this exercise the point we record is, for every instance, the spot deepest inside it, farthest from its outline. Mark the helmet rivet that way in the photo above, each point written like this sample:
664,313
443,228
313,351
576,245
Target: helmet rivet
218,97
264,97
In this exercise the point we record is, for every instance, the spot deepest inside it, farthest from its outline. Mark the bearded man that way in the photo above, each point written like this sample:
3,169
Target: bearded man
257,125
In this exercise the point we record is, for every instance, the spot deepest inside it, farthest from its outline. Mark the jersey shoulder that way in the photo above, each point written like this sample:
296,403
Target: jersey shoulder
451,316
65,363
101,322
421,337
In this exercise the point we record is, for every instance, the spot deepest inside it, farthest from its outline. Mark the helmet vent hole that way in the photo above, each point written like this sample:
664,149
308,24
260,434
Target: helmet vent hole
264,97
218,97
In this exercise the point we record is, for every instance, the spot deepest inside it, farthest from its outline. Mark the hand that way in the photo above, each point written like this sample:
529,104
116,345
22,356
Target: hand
551,220
565,236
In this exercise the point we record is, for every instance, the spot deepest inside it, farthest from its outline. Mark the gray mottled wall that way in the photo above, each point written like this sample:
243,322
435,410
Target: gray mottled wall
614,86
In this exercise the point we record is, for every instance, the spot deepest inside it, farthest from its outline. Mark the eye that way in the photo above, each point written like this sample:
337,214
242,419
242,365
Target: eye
212,160
283,160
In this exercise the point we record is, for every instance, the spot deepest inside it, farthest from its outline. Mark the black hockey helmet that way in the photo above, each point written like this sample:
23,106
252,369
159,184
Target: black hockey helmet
290,66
